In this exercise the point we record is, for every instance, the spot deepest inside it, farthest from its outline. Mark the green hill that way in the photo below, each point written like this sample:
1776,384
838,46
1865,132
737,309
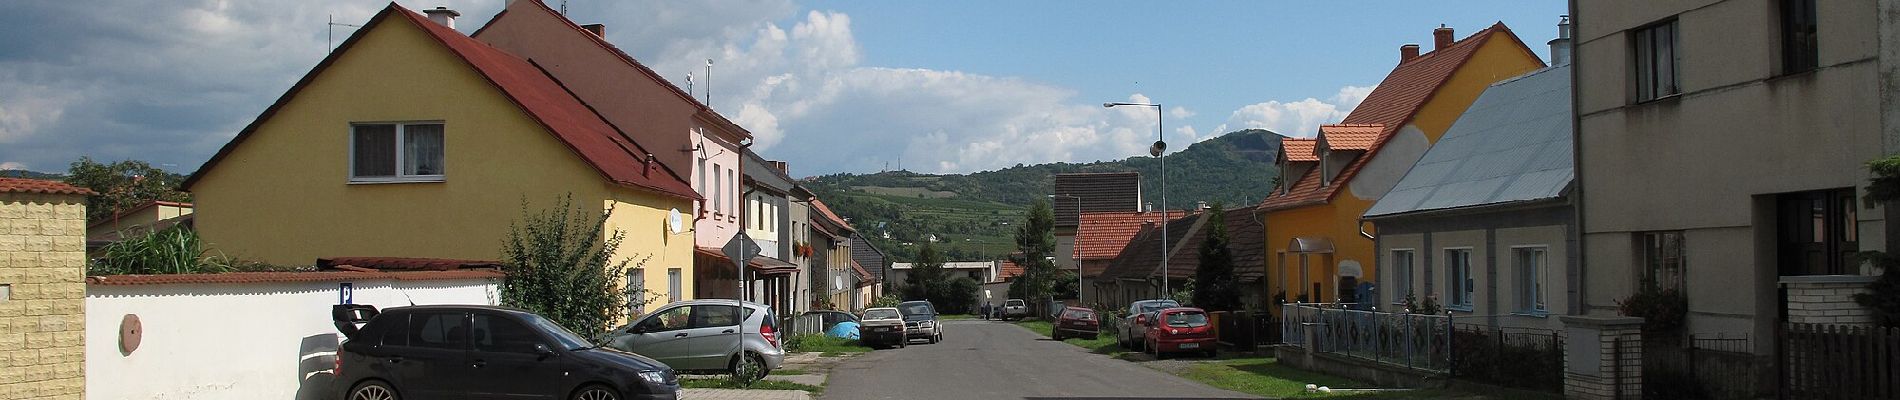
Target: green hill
974,215
21,173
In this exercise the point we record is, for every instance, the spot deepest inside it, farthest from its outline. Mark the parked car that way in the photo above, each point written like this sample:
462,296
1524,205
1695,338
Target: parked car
706,335
831,320
1076,322
920,321
1132,330
883,327
1015,309
407,352
1180,330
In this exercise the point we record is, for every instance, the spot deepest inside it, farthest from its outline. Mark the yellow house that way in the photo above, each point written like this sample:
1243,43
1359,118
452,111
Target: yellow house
152,216
413,140
1318,248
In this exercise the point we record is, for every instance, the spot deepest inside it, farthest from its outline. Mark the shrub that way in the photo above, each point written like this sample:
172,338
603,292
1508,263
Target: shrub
174,250
1883,295
1662,310
558,263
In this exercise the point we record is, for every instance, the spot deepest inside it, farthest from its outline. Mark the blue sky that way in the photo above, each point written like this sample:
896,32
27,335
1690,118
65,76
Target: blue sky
831,86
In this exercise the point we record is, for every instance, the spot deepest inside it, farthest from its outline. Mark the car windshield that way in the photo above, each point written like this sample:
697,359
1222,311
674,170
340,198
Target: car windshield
1079,314
917,309
1188,319
564,338
1153,306
880,314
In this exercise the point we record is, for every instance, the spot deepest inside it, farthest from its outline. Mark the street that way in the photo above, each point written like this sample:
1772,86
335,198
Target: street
996,360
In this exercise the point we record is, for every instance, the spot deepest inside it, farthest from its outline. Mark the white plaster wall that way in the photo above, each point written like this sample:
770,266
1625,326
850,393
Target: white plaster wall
1391,163
236,341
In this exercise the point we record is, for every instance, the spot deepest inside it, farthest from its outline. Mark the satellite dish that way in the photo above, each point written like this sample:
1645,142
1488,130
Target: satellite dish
673,220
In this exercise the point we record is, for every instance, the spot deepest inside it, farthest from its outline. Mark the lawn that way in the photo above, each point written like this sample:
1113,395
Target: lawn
759,385
823,344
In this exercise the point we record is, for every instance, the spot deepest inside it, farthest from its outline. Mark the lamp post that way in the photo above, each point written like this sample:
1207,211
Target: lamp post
1157,149
1075,240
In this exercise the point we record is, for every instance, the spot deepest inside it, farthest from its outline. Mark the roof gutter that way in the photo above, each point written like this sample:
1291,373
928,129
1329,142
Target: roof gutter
1362,230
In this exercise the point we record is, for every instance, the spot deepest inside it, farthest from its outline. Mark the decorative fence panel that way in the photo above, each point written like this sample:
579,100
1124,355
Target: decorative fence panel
1840,362
1414,341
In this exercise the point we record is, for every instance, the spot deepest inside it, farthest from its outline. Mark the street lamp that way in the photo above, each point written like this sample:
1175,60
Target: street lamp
1157,149
1075,241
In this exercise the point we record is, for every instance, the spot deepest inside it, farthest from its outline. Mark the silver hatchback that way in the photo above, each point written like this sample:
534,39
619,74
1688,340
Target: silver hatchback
705,335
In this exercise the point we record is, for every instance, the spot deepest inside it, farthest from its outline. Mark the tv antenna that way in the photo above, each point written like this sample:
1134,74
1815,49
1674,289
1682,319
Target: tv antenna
331,35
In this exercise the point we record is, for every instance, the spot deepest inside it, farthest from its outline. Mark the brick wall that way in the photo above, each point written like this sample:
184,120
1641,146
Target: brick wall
1827,299
42,313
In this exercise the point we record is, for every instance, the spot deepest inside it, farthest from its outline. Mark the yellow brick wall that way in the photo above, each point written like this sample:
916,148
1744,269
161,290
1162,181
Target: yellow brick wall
42,321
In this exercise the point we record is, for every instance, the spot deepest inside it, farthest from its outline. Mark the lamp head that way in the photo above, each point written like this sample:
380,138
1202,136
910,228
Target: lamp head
1108,105
1157,148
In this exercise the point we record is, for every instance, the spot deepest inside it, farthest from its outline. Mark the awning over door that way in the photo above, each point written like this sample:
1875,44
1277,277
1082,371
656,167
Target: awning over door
1309,244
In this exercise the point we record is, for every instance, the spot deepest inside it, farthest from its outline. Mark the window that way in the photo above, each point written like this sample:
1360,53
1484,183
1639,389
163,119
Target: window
1656,60
439,330
735,190
719,192
396,152
1818,232
710,316
1461,285
672,284
1402,274
1663,261
499,334
1800,45
397,333
636,291
675,318
1532,273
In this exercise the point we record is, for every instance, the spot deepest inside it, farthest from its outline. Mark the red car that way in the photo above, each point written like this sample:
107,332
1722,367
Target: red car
1180,330
1076,322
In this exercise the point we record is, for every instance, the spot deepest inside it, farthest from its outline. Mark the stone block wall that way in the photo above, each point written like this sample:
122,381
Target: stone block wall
42,296
1603,357
1827,299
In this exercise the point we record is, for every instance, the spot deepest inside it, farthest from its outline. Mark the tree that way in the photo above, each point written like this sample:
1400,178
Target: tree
958,296
1215,286
926,277
1036,238
558,263
123,185
1883,295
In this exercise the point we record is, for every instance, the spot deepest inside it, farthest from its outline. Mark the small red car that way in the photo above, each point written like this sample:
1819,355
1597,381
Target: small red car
1076,322
1180,330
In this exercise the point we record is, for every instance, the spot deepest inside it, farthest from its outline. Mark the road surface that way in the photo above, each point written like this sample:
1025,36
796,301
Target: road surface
995,360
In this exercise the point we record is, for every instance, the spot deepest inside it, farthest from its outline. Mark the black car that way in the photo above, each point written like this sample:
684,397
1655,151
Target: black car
455,352
920,321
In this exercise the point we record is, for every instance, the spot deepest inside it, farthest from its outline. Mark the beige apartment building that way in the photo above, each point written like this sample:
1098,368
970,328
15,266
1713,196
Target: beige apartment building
1721,149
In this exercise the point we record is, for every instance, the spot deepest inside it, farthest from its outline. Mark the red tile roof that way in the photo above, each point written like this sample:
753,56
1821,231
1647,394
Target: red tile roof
864,276
1009,269
404,263
40,186
1393,103
290,277
611,152
1297,149
1104,234
1350,137
826,212
1142,260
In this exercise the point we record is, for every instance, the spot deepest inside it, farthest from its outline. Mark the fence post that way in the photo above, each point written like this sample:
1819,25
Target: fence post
1451,335
1599,361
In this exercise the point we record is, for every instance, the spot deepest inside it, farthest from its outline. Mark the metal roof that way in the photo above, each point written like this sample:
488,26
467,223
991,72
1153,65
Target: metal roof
1512,145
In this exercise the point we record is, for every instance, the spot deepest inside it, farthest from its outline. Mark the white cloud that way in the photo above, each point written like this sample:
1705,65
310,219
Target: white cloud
12,165
1299,118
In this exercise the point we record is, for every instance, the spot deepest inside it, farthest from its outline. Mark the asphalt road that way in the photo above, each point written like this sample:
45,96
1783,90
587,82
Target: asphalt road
994,360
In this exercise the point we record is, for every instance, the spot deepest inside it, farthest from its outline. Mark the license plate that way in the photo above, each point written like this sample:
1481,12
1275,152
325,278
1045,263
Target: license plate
880,329
1190,345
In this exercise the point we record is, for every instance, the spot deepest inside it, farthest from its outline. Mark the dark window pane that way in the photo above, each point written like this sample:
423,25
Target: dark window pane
499,334
670,319
397,332
422,149
374,148
439,330
713,316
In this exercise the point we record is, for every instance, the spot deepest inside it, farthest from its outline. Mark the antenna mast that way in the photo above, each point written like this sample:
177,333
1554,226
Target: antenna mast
330,35
709,83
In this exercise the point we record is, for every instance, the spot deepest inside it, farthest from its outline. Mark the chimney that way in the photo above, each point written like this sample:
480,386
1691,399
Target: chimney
1200,205
1408,52
1560,47
1441,37
598,29
782,167
443,15
1148,207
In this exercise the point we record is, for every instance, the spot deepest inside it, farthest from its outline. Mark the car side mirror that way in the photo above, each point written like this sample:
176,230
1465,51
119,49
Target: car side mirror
543,350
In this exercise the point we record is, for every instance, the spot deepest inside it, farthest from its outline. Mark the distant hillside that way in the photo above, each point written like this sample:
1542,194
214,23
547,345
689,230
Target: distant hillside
21,173
974,215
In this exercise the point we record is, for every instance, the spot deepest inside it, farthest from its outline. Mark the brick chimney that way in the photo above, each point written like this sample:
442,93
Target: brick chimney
1408,52
442,15
781,166
598,29
1441,37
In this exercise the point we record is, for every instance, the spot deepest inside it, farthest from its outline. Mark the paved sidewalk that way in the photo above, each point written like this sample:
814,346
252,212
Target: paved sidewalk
742,394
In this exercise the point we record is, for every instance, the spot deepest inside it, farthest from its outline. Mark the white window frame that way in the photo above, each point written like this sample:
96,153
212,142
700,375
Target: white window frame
636,288
1533,297
719,192
398,177
674,285
1468,284
1404,274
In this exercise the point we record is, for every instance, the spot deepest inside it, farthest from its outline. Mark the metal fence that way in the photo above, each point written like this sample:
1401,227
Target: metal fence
1527,358
1422,342
1839,362
807,324
1704,366
1247,331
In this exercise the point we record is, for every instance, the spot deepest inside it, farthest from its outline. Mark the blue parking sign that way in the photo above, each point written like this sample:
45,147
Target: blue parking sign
343,293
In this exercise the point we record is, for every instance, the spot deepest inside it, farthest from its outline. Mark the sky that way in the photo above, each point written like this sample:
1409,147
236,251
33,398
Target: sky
828,85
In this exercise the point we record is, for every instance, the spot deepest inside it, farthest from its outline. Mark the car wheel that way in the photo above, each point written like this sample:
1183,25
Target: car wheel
751,367
596,392
1213,353
1057,336
373,390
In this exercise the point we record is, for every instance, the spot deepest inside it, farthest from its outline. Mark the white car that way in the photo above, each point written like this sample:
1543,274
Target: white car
882,327
1015,309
